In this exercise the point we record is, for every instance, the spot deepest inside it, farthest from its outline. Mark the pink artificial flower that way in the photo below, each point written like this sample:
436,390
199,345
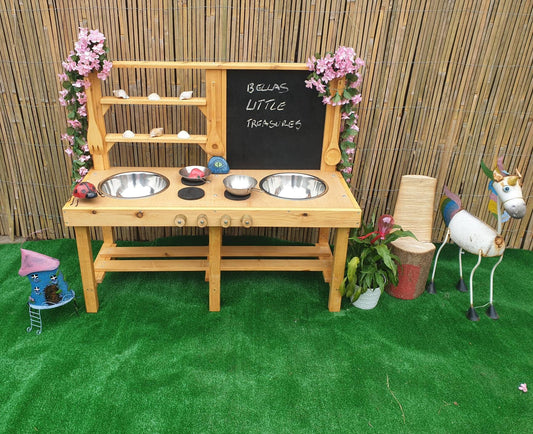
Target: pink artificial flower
523,387
62,76
311,63
83,171
68,151
98,49
320,87
81,46
68,138
350,151
107,66
356,99
74,123
85,148
82,111
96,37
347,170
84,158
81,97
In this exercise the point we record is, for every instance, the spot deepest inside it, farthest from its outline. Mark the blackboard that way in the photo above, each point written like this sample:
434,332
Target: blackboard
273,121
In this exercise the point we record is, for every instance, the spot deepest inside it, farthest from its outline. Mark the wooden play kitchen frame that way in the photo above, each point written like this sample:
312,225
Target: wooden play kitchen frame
335,210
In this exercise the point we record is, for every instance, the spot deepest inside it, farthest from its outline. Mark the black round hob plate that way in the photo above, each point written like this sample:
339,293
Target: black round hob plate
230,196
191,193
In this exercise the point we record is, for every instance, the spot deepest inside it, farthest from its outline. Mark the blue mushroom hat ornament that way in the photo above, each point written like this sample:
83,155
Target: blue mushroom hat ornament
48,286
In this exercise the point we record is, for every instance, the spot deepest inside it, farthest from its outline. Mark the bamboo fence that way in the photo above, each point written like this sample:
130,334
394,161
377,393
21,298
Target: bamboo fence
446,85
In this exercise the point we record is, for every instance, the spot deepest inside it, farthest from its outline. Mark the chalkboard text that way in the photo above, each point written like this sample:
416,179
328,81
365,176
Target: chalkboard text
267,87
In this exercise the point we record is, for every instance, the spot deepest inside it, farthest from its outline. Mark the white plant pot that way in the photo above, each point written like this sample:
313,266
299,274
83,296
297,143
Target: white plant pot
368,300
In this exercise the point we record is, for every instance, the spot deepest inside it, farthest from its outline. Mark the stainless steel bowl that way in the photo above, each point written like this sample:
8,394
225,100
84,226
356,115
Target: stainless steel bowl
239,185
133,185
293,186
185,172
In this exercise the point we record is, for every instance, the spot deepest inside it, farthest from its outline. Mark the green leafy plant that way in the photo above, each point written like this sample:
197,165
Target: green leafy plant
371,264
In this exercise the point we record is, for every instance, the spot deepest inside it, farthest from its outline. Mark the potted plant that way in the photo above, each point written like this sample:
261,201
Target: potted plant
370,264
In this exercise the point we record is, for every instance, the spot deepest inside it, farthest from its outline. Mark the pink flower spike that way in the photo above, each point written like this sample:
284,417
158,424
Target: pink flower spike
523,387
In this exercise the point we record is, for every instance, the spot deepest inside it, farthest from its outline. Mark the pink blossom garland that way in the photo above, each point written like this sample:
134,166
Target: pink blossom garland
344,63
89,55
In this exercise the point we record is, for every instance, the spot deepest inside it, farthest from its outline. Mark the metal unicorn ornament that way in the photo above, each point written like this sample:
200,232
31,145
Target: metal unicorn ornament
476,237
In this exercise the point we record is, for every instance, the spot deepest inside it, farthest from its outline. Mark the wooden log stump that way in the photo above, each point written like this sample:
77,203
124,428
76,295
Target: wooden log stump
415,262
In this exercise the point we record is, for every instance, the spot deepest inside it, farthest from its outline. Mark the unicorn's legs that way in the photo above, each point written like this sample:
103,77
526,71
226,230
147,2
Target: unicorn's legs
471,314
431,285
461,284
491,312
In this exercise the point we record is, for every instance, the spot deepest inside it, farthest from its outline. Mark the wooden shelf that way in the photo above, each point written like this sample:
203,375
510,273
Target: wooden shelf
145,138
143,100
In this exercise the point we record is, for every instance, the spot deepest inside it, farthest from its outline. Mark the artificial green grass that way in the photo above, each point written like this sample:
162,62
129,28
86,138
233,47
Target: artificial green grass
274,360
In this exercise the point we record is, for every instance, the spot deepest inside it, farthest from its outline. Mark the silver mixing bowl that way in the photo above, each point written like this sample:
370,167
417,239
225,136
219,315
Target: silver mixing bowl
133,185
185,172
290,185
239,185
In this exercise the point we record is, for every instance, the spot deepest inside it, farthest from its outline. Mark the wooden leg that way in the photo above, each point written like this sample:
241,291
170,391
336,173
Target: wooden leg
215,242
323,240
88,279
109,241
339,264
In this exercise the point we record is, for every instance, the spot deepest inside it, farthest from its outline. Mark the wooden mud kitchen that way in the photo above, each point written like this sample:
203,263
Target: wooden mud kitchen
262,120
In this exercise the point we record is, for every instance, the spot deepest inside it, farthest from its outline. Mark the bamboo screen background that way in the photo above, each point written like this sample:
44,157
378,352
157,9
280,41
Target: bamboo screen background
446,84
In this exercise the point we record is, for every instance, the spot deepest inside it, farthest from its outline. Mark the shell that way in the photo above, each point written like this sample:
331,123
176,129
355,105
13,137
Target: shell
121,93
156,132
183,135
154,97
128,134
186,95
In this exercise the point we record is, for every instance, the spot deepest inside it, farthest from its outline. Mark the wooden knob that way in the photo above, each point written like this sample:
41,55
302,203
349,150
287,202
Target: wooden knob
201,221
225,221
140,214
180,220
246,221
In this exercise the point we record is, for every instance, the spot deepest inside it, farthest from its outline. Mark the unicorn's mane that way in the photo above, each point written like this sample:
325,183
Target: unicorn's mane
450,205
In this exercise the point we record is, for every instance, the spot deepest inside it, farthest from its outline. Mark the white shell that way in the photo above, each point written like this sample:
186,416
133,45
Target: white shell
154,97
128,134
186,95
156,132
121,93
183,135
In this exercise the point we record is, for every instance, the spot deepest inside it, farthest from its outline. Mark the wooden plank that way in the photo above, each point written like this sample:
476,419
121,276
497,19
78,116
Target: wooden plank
202,251
164,101
275,265
151,265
